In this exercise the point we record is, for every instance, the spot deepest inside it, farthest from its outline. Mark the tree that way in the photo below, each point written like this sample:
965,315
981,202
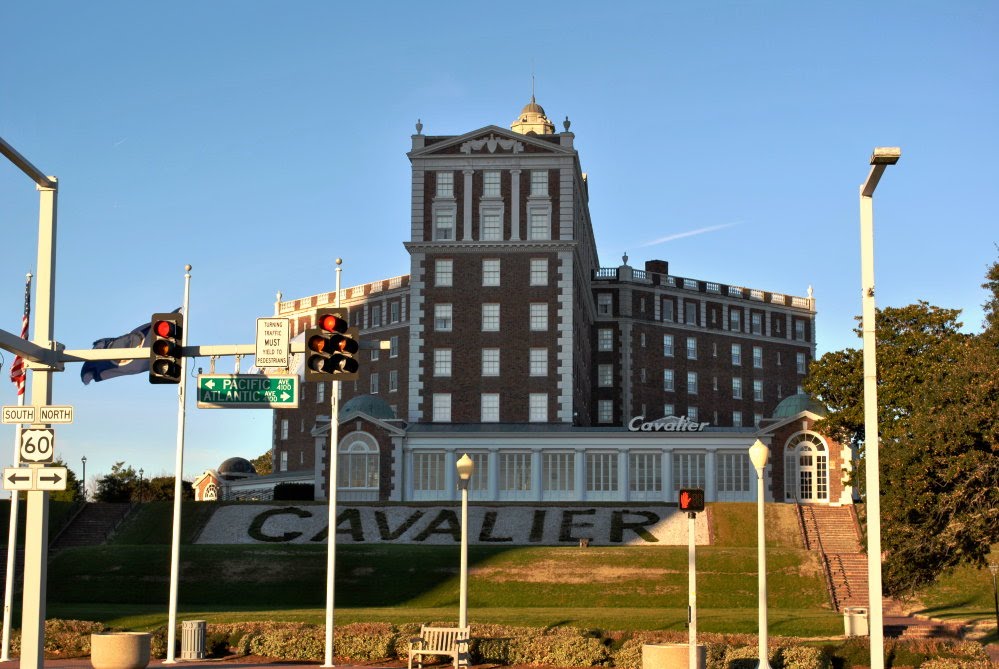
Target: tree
161,488
74,487
118,486
262,463
938,395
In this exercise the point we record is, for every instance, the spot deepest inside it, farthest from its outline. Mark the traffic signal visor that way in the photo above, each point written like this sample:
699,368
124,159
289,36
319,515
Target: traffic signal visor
165,359
330,348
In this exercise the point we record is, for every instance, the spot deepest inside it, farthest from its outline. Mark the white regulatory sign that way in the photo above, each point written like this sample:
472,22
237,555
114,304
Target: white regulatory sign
35,478
273,342
37,444
50,478
15,414
18,478
49,415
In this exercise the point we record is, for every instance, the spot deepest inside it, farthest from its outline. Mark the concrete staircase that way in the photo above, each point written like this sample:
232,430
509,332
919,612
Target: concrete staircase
833,531
92,526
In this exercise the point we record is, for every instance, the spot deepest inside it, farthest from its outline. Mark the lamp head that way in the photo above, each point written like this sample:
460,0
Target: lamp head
758,454
994,568
465,467
886,155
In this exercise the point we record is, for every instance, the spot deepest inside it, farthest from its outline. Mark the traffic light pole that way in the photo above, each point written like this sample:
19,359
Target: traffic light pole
178,484
331,493
692,588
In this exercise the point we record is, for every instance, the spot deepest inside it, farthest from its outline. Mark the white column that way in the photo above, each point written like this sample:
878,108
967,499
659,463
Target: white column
515,205
466,223
579,468
710,477
536,475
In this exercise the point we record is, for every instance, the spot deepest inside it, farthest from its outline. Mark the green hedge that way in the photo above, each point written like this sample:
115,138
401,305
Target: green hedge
511,645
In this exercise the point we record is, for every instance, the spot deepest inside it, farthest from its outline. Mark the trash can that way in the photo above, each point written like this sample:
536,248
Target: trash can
671,656
192,640
855,621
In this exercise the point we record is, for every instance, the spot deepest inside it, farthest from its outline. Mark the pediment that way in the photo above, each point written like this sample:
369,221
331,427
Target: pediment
490,140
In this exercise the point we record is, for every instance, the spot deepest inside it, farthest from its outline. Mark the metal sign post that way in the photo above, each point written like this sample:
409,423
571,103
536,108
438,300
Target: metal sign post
692,588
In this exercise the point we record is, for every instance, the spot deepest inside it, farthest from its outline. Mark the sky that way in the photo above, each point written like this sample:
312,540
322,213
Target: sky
259,141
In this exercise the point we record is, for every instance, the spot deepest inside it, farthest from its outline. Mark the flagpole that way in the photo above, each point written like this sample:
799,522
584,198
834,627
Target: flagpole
177,480
331,493
8,589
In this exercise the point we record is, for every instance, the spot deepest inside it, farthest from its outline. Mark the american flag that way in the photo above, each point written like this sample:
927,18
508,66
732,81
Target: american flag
17,373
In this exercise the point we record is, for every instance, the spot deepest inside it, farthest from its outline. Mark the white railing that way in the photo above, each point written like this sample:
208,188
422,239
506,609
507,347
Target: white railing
802,302
607,273
671,281
777,298
323,299
756,294
357,291
638,274
712,287
376,287
735,291
286,307
395,282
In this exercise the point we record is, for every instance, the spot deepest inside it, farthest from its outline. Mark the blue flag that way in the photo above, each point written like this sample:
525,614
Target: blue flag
99,370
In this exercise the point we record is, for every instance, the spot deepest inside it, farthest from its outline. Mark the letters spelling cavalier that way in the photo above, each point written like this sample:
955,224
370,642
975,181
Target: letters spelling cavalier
665,424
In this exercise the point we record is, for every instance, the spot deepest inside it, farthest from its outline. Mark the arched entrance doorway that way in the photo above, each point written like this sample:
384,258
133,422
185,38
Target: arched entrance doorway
806,468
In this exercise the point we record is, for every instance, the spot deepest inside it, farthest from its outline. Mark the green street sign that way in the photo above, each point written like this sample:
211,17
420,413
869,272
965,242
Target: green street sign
247,391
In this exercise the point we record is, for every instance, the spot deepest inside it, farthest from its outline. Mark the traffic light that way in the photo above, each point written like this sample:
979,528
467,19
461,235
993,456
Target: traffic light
691,499
166,362
330,348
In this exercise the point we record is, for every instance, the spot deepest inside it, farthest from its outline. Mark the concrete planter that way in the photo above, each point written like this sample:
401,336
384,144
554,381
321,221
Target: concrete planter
671,656
119,650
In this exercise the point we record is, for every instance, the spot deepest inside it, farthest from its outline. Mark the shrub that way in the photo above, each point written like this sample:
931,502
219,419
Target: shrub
158,643
803,657
364,641
289,641
63,638
954,663
216,644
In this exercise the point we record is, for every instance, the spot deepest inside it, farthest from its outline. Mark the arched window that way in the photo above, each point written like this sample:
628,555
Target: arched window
357,465
806,468
211,492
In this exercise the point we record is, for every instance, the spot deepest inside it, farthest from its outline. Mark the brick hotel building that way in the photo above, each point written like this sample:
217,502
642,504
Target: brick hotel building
510,342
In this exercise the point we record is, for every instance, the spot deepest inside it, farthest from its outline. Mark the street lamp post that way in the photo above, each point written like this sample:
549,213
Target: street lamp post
880,159
758,455
84,461
141,473
994,568
465,467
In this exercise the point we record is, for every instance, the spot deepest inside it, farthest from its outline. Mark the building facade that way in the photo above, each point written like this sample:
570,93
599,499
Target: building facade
508,340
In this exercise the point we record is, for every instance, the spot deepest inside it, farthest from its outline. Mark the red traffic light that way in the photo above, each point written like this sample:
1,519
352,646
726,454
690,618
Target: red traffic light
691,499
330,347
166,362
331,323
166,329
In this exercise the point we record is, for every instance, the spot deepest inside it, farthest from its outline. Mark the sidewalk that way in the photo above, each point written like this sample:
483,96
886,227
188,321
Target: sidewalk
245,662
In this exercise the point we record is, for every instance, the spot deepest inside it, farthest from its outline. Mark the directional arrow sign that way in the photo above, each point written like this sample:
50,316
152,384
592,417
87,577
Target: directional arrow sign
18,478
50,478
247,391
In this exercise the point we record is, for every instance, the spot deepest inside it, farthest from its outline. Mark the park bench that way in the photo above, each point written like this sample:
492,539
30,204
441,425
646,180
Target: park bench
452,641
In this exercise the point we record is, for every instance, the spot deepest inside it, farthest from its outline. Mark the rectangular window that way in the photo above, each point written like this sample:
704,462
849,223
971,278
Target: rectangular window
688,470
605,411
736,419
736,354
539,182
758,357
539,271
491,272
691,383
492,227
757,417
690,313
643,377
734,472
737,389
669,409
480,471
735,320
668,380
558,472
393,380
442,362
539,317
428,471
490,361
757,324
668,310
668,346
376,315
605,376
491,184
374,383
442,317
490,317
757,390
445,184
443,272
514,471
320,393
605,303
641,339
800,360
442,407
539,361
601,472
605,339
691,348
284,461
444,226
284,429
490,408
393,312
645,472
799,330
394,347
538,408
539,226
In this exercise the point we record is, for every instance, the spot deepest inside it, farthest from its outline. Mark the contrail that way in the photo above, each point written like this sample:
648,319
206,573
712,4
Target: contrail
689,233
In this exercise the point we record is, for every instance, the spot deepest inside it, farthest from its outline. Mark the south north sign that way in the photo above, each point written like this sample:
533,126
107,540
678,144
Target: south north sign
247,391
